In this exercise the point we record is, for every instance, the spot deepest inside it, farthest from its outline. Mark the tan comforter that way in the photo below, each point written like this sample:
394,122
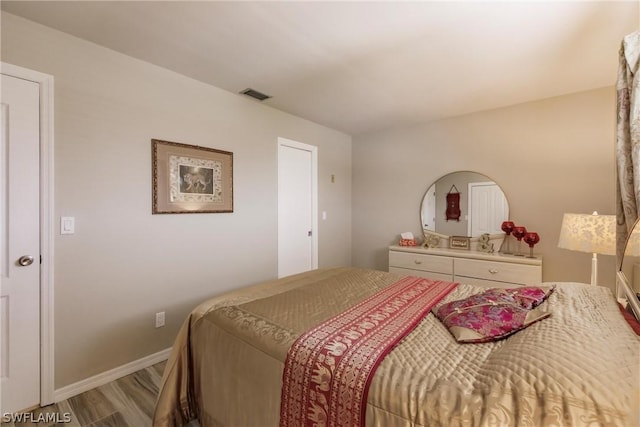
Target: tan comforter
578,367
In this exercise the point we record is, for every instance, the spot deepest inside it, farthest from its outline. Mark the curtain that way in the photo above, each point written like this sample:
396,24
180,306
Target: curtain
628,140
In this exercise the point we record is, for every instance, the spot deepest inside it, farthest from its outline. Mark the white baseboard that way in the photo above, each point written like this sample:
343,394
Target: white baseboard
108,376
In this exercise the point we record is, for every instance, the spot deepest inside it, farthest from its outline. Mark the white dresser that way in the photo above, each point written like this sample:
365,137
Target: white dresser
471,267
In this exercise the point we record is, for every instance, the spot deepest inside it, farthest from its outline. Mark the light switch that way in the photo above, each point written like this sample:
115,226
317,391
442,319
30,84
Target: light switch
324,215
67,225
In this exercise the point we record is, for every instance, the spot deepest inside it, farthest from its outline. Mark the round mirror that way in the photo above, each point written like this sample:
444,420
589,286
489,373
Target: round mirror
481,205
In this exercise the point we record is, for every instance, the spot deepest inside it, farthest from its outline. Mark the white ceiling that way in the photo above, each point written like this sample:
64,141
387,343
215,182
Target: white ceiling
364,66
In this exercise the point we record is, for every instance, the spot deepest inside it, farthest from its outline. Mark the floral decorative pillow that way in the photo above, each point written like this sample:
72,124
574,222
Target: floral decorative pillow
493,314
526,296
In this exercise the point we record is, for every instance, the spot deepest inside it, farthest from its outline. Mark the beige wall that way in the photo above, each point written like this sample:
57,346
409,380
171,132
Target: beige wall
124,264
550,157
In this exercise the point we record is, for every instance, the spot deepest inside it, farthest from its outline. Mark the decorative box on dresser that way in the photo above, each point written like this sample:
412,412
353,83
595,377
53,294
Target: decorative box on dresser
470,267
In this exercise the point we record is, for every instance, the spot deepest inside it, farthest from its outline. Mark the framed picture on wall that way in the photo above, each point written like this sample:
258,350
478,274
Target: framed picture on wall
191,179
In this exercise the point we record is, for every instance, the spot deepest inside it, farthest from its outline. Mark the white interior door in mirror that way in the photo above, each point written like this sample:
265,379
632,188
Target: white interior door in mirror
429,209
488,208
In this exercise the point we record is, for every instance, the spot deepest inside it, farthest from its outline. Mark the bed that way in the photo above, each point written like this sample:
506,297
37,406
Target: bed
579,366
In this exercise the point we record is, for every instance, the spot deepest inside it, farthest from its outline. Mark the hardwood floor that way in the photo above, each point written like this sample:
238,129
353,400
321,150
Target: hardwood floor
126,402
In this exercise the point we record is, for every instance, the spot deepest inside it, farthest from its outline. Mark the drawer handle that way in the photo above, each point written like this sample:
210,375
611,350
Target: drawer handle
493,271
417,261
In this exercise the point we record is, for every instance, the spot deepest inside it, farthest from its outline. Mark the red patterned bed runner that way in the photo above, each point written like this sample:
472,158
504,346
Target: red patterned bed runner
329,368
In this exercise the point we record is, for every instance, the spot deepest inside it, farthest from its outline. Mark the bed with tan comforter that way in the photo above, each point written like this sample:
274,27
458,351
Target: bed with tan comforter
578,367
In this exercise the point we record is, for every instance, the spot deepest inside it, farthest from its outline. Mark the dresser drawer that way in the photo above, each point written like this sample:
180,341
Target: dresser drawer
498,271
436,264
486,283
420,273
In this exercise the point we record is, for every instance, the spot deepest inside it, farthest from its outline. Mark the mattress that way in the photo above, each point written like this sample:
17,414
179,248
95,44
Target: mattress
580,366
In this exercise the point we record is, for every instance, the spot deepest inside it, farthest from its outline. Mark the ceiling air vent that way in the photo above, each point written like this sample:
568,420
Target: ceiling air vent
255,94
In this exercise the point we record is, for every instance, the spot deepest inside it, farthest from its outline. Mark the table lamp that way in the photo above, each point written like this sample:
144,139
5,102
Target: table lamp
595,234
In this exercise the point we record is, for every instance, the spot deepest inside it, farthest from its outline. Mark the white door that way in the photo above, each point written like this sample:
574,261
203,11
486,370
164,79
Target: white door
487,208
20,245
297,199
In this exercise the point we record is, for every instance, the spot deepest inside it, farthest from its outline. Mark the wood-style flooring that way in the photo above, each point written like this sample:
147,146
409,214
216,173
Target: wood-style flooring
126,402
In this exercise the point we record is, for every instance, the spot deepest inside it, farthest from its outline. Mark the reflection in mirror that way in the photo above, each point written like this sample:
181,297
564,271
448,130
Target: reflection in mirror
483,205
628,280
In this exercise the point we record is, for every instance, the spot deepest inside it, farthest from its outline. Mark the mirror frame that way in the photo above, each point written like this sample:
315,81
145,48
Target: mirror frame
622,281
433,239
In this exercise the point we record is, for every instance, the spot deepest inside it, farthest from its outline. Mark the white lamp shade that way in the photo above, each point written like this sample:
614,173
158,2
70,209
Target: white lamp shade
588,233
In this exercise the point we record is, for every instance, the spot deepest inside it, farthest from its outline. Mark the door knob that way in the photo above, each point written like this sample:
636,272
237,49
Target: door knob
25,260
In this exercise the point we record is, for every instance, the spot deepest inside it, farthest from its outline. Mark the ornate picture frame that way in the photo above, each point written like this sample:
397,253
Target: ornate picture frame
191,179
460,242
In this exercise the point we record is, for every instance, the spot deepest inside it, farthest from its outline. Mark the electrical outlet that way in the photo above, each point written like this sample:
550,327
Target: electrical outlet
160,319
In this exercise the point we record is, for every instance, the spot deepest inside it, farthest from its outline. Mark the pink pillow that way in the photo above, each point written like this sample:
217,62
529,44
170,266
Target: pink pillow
493,314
